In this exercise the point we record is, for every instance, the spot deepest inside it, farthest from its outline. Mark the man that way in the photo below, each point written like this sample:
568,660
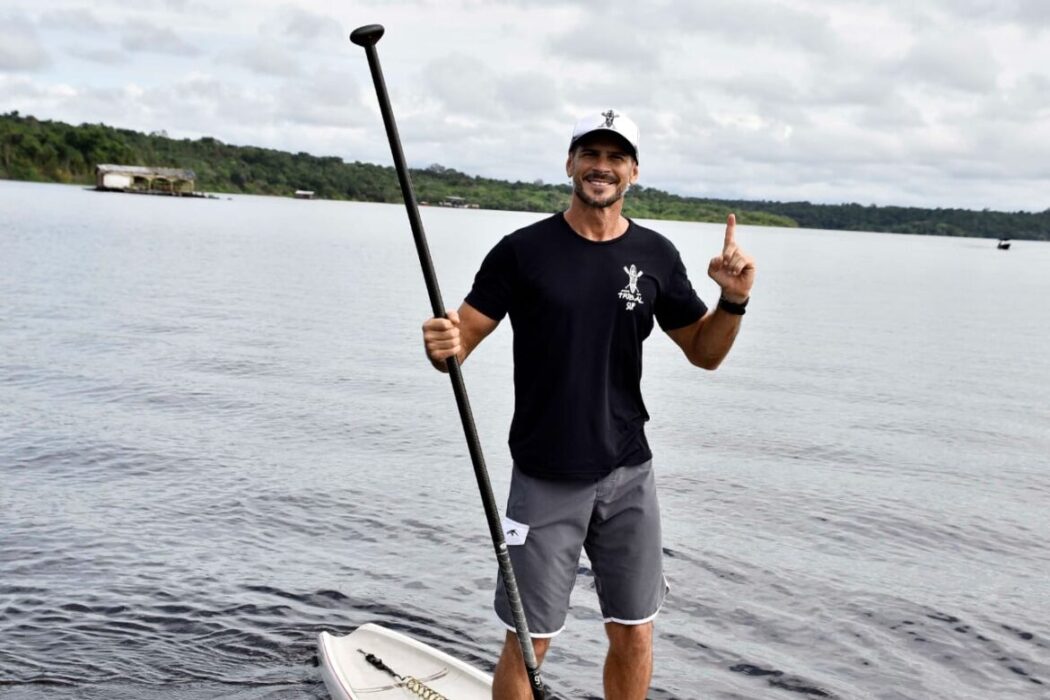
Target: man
582,289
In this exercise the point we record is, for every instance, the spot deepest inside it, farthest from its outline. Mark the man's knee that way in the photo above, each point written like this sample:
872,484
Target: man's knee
630,639
512,647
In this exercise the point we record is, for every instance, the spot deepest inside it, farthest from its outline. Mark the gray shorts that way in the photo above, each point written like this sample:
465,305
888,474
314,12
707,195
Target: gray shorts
617,520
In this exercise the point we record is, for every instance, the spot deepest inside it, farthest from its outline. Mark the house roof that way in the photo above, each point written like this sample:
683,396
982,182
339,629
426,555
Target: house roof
173,173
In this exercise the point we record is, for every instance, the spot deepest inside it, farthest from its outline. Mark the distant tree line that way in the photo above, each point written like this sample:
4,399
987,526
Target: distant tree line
937,222
50,151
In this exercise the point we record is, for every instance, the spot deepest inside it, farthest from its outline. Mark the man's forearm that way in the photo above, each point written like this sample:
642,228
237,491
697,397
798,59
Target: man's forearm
714,338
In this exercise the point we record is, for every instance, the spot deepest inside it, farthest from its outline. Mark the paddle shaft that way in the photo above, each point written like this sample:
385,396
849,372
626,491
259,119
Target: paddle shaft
367,37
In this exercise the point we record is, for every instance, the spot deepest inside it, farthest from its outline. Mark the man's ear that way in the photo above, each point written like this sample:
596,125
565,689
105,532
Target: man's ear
568,165
634,173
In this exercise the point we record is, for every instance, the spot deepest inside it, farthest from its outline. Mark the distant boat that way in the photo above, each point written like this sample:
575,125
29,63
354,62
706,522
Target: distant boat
1004,244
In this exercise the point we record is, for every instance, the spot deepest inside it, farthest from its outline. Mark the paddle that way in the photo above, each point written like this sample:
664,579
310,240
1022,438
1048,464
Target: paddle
367,37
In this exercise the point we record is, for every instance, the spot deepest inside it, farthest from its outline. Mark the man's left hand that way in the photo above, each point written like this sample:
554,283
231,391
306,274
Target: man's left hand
733,270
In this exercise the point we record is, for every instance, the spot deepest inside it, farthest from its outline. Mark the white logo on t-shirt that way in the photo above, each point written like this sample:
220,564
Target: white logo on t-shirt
630,293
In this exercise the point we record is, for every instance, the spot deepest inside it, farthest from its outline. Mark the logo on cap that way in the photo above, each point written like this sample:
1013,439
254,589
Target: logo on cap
609,116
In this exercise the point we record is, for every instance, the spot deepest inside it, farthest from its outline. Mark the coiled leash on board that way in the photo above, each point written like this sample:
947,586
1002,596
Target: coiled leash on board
413,684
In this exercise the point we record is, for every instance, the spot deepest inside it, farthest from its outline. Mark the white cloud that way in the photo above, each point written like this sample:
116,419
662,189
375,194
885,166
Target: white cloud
76,19
464,85
750,22
145,36
889,101
268,60
20,46
591,45
962,63
105,56
325,98
296,25
529,94
1035,13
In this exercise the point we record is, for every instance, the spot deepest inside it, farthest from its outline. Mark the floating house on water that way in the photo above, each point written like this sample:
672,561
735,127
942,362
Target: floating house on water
146,180
457,203
304,194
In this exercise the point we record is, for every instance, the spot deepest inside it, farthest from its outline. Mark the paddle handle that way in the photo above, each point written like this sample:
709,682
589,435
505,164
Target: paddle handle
367,37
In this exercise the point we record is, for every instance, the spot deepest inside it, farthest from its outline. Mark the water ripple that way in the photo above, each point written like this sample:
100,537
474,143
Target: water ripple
220,437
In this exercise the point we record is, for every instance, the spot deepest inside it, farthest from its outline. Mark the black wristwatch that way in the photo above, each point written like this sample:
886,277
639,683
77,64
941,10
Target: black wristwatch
732,307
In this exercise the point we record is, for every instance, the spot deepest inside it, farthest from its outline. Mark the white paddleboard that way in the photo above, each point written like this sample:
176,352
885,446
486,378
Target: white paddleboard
349,675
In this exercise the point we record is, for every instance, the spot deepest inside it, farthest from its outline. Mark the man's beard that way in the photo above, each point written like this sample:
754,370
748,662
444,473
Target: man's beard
594,202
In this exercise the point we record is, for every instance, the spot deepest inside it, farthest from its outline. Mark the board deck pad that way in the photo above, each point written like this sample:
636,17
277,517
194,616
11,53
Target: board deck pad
349,676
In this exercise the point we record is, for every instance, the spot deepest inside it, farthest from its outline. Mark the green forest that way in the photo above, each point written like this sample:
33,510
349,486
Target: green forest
51,151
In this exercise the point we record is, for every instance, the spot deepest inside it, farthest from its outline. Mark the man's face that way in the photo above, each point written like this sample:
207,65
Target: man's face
601,169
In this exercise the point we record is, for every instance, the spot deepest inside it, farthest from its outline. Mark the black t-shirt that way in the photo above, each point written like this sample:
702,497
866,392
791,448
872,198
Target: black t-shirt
580,310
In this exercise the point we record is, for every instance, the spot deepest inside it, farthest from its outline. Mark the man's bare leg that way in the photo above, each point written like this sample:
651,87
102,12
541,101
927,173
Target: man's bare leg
629,665
511,682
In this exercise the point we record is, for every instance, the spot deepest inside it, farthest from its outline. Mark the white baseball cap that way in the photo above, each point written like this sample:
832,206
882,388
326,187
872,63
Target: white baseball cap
609,120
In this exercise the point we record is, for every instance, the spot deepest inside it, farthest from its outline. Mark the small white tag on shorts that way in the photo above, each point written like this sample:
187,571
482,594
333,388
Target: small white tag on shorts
514,532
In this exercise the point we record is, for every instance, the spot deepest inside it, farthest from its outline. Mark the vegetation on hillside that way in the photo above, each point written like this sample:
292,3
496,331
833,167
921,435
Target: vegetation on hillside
50,151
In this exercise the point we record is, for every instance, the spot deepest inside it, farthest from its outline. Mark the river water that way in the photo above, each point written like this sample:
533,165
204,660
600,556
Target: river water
219,436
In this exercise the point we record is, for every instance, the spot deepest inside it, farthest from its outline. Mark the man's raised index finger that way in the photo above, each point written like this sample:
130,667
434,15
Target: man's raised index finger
730,233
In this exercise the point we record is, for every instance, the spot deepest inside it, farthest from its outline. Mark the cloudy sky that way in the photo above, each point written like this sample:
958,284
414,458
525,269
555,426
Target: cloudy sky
933,103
